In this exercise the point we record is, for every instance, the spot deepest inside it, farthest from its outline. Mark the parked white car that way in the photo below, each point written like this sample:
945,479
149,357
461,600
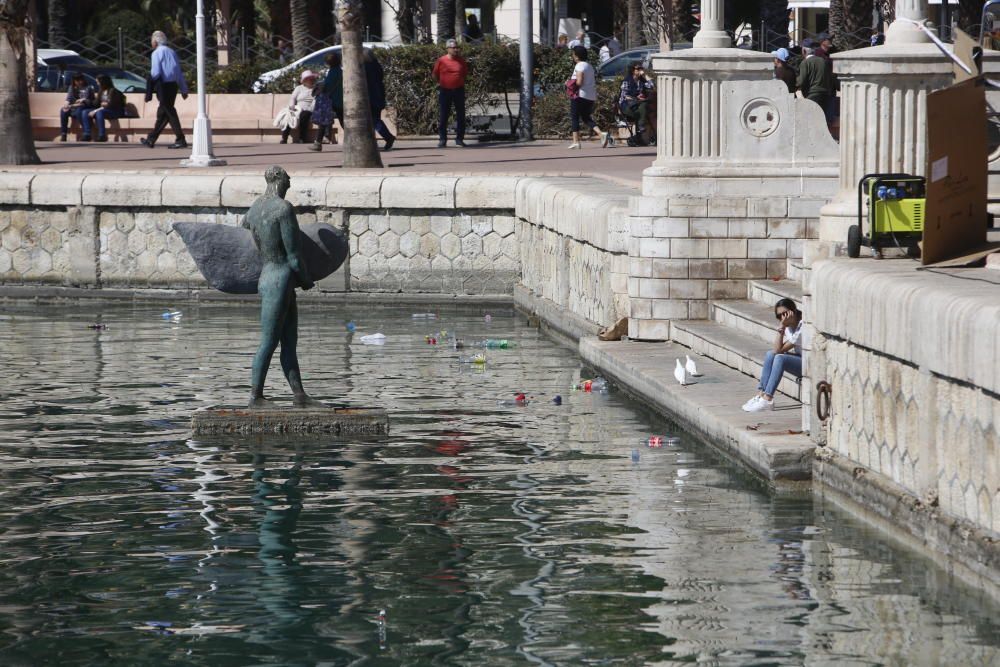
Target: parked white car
314,61
54,67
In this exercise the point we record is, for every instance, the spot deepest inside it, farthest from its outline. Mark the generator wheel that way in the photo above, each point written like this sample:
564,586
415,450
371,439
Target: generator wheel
854,241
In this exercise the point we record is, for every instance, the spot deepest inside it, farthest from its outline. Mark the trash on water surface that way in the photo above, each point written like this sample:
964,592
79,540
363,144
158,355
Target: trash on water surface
488,318
557,399
424,316
172,315
374,339
351,326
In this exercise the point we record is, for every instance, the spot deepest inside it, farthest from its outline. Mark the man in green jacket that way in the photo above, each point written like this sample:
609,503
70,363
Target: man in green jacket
814,80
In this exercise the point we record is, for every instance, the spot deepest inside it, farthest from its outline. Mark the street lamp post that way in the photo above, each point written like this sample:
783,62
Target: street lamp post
201,147
525,131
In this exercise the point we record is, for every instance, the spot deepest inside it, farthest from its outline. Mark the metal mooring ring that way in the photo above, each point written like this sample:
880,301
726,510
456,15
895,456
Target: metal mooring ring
823,399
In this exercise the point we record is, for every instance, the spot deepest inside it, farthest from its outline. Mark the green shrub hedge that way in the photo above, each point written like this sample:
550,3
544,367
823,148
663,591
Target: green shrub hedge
495,70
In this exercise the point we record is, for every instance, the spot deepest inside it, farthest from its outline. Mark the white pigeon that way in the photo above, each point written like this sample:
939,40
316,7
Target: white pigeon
691,367
681,373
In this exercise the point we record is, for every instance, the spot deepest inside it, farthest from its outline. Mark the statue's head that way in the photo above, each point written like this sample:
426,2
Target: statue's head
277,180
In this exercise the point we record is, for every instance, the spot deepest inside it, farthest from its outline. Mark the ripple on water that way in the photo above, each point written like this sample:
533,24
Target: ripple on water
490,534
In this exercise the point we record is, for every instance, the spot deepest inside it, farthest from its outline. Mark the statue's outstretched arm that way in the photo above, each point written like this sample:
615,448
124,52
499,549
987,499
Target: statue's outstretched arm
290,240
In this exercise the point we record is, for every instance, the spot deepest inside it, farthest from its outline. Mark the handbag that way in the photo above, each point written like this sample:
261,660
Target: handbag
322,114
572,88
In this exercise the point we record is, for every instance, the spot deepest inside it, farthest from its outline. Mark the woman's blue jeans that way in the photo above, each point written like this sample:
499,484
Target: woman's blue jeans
775,365
102,115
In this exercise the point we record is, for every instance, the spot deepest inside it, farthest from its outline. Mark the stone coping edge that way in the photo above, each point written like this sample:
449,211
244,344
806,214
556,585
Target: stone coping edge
958,547
947,325
214,190
783,459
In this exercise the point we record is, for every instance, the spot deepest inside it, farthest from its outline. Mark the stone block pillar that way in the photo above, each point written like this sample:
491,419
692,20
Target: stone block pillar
883,115
741,171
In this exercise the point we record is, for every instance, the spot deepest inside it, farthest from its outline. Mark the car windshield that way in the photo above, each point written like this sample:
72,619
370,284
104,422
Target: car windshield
616,66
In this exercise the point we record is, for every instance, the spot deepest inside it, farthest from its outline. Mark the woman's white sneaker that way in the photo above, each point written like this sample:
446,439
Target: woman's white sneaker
761,405
749,404
574,146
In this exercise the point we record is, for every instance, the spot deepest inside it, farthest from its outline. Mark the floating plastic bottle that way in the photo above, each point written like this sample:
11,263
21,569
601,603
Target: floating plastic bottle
557,399
351,326
424,316
430,340
672,440
635,456
381,624
659,441
488,318
520,400
477,359
599,385
172,315
655,441
456,343
97,326
495,343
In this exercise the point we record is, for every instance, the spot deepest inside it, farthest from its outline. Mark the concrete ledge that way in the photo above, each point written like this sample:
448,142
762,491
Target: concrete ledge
945,321
588,210
203,190
131,190
354,192
15,187
418,192
287,419
769,443
57,189
486,192
958,547
240,191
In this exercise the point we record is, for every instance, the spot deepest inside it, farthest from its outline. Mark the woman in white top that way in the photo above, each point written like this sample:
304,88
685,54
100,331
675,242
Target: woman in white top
582,106
303,97
785,357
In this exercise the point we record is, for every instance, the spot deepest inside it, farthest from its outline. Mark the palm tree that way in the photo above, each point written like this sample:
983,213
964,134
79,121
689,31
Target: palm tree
460,22
970,13
299,11
634,23
850,23
360,149
446,19
57,24
18,146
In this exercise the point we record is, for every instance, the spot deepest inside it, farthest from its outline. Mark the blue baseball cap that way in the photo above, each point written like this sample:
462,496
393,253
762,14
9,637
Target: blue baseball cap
781,54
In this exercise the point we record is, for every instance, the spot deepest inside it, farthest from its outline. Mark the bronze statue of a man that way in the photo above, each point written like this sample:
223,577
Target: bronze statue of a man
271,220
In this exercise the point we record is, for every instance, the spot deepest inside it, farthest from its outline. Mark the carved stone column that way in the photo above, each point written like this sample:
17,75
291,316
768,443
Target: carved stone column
712,34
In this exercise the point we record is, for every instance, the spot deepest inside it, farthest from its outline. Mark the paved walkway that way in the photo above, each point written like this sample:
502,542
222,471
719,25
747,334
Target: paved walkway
540,158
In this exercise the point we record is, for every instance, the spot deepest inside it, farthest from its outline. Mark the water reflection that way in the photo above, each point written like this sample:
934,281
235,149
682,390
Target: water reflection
489,535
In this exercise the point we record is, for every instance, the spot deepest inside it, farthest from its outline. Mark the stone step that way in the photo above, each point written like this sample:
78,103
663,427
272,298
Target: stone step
794,270
754,319
767,292
730,347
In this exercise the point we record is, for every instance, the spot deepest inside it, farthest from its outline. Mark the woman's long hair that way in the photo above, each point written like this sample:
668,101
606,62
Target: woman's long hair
788,304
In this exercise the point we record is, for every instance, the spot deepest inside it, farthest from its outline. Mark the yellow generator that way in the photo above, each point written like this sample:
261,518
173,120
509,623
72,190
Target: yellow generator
896,204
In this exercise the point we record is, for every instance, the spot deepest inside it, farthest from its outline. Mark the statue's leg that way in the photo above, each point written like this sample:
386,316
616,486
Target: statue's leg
289,355
273,310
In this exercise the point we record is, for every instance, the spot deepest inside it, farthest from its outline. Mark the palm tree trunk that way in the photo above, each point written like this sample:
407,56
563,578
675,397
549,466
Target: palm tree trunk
634,23
460,23
683,28
850,23
970,12
57,24
299,11
18,146
445,20
360,150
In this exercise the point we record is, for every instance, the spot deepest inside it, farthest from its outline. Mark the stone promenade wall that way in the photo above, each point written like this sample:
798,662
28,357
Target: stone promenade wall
417,234
914,363
573,238
565,245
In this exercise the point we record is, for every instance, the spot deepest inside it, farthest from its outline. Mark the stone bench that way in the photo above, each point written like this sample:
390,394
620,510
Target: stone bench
235,118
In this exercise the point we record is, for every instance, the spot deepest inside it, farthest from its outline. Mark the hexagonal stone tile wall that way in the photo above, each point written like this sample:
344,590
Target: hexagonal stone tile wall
928,435
442,252
48,246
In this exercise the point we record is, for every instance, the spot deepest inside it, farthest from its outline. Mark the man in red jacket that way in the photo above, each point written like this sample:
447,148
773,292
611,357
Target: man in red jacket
450,71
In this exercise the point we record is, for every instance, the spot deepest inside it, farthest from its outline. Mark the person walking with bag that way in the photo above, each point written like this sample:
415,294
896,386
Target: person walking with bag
450,71
167,79
582,91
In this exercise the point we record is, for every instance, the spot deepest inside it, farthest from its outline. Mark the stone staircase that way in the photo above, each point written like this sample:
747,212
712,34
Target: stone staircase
739,333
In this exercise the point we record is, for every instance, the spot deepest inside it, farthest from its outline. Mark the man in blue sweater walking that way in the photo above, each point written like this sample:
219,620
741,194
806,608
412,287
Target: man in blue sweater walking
167,79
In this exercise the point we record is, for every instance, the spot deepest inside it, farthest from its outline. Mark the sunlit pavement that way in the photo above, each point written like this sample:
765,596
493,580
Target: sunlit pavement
619,163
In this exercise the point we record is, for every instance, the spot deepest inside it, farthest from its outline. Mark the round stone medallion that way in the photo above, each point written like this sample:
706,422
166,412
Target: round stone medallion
760,117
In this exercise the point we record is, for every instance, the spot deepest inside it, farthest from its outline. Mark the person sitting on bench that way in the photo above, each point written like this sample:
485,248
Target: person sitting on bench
80,99
634,100
112,105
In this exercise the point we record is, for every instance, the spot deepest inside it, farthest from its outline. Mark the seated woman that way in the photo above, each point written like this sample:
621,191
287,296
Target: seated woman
111,104
786,356
635,99
303,99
